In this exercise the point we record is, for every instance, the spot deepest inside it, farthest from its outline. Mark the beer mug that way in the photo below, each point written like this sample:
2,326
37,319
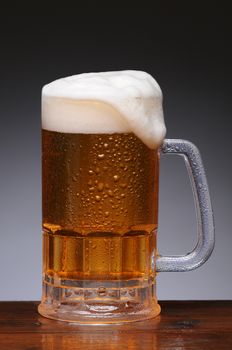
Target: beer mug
103,134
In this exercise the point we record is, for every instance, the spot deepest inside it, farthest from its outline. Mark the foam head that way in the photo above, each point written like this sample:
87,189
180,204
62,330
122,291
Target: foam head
107,102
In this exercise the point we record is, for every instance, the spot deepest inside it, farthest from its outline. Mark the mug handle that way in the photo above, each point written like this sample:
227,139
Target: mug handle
204,213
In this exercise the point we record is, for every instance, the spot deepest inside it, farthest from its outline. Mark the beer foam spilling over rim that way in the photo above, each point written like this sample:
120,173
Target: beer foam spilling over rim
107,102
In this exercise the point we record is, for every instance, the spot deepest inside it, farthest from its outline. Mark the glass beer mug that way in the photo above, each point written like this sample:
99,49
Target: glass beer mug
103,134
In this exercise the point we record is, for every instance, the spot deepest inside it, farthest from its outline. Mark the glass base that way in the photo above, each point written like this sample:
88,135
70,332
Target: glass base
99,302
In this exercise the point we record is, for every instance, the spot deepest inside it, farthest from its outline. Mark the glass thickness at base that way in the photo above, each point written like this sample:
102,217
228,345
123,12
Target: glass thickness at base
135,301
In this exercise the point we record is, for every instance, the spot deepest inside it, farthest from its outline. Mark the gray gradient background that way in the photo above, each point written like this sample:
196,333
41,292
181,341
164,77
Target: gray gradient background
188,53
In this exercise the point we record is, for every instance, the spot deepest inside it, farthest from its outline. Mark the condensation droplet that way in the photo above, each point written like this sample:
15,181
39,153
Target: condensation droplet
98,198
123,185
101,156
110,193
100,186
116,178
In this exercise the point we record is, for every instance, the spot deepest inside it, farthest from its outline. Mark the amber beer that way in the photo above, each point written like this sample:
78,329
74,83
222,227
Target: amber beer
100,198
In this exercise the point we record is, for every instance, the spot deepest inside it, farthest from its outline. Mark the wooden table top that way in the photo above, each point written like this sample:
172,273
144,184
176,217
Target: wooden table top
181,325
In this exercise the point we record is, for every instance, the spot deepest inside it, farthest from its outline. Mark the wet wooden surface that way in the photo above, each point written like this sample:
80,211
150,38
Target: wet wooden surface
182,325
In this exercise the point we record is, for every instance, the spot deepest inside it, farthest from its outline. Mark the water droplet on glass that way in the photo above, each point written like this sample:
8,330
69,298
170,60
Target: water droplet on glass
116,178
100,186
123,185
101,156
110,193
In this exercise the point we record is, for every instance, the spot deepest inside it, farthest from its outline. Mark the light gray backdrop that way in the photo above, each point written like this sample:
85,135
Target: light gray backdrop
188,55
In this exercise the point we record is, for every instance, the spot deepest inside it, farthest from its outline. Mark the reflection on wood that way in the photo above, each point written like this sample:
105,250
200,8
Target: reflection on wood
182,325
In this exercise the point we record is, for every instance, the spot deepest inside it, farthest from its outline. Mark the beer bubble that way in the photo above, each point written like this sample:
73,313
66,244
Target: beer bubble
98,198
90,183
106,145
97,170
90,172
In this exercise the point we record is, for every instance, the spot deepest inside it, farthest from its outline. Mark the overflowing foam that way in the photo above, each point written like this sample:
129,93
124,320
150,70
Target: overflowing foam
108,102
